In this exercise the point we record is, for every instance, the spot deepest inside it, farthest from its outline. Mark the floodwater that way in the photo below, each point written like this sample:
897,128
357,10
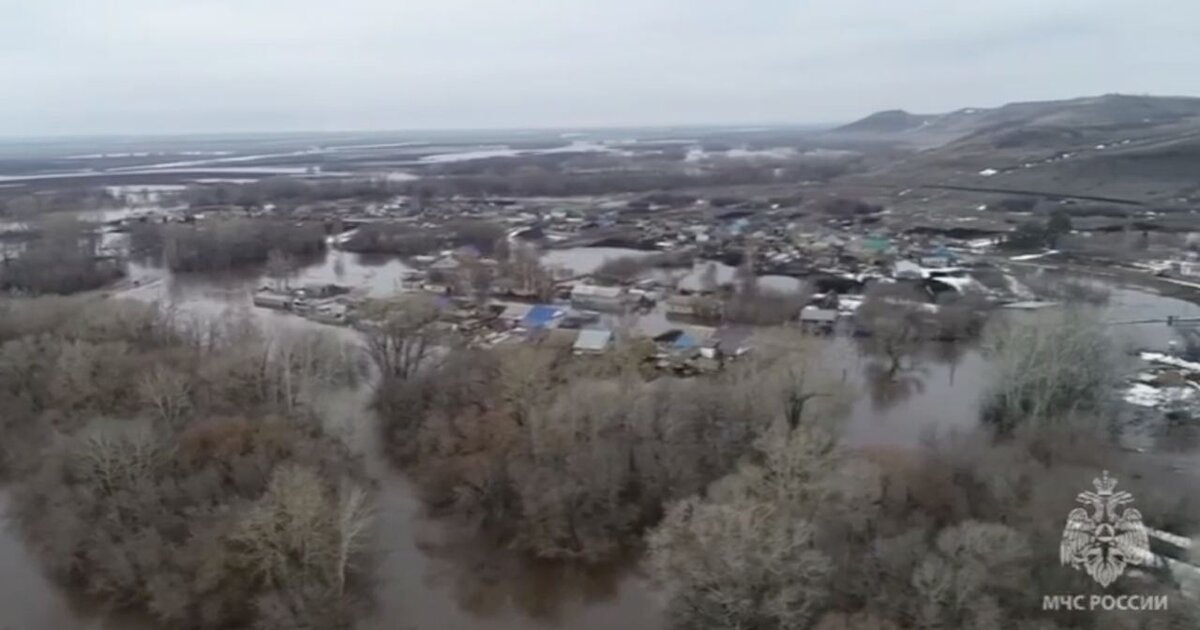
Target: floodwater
585,260
431,575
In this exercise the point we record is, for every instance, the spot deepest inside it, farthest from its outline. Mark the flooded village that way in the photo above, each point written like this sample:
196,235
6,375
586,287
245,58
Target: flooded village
606,317
689,284
599,316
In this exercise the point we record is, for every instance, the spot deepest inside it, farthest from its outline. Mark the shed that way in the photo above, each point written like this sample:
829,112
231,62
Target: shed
598,298
814,315
821,319
593,340
271,299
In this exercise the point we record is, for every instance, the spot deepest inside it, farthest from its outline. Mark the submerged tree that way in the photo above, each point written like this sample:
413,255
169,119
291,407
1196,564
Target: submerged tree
893,316
1049,368
183,469
280,268
401,335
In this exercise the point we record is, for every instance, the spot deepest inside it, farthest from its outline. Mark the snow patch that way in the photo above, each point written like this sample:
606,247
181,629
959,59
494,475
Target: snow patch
1166,359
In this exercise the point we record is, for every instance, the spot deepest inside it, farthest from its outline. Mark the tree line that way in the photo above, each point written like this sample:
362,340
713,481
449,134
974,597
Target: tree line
221,244
62,257
182,468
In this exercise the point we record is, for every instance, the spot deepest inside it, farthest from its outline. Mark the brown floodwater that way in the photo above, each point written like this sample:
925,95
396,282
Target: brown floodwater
432,574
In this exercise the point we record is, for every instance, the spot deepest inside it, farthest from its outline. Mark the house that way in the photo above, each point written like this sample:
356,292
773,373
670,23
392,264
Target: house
597,298
593,340
939,258
543,316
1186,268
952,279
681,304
907,270
818,319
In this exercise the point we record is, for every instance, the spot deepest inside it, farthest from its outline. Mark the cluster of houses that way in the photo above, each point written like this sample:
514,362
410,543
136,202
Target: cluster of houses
676,347
685,324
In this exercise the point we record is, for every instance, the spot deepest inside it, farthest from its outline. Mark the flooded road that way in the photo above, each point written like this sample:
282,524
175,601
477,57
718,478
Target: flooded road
433,576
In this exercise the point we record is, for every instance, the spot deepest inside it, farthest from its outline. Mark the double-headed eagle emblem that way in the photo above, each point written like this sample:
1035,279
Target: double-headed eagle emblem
1104,542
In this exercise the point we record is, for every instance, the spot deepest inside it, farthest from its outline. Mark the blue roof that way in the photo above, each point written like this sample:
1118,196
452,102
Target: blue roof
685,341
542,316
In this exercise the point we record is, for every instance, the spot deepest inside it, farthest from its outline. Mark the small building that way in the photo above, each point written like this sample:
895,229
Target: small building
681,304
939,258
597,298
1186,268
273,299
907,270
818,319
593,341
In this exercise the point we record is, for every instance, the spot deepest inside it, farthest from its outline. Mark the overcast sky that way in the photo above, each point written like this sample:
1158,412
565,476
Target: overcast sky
157,66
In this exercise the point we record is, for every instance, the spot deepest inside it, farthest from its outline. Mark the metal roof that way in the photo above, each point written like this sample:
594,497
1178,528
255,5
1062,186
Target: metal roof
593,339
542,316
592,290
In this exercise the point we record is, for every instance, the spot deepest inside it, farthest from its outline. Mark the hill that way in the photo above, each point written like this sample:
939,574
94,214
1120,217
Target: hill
891,121
1142,148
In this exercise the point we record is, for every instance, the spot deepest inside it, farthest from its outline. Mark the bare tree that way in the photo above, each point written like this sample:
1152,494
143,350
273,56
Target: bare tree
1050,368
401,336
747,556
476,278
168,393
280,268
893,316
527,274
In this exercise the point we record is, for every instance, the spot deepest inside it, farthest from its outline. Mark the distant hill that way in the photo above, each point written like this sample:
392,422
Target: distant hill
1030,122
891,121
1145,148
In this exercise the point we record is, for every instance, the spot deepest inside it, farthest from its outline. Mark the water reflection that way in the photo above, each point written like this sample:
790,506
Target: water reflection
493,584
887,386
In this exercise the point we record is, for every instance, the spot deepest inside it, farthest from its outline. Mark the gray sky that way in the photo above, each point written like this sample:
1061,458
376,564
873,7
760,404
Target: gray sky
158,66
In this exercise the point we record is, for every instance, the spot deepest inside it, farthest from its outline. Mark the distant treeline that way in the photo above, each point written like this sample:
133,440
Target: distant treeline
80,198
540,180
289,192
408,240
553,175
225,243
